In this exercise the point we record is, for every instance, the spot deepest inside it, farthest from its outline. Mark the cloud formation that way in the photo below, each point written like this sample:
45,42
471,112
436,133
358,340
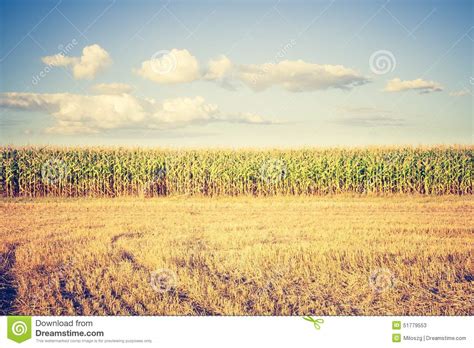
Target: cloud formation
95,113
93,59
218,68
422,86
179,66
299,76
170,67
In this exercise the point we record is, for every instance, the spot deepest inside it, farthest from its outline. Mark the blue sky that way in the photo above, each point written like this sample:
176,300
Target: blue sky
236,74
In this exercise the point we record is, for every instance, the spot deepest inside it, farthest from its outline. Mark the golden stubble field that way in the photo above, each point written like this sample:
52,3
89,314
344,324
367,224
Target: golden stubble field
333,255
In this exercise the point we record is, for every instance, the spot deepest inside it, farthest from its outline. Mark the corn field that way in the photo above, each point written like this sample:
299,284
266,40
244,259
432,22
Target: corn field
96,172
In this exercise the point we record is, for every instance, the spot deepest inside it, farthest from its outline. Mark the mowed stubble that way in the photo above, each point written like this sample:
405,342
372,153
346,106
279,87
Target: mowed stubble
332,255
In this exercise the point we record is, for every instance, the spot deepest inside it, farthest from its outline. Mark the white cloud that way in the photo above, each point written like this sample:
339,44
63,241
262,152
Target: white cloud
60,60
422,86
218,68
94,59
460,93
179,66
182,111
95,113
299,76
170,67
112,88
222,72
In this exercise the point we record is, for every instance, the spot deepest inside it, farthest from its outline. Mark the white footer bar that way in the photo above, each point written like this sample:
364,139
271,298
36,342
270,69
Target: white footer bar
237,331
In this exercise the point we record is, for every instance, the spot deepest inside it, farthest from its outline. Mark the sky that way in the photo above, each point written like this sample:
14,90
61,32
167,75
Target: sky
236,73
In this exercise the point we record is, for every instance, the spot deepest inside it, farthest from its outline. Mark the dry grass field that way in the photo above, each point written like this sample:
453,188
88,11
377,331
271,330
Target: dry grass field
295,255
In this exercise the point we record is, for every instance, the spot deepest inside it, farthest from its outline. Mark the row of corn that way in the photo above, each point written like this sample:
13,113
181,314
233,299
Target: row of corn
75,172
